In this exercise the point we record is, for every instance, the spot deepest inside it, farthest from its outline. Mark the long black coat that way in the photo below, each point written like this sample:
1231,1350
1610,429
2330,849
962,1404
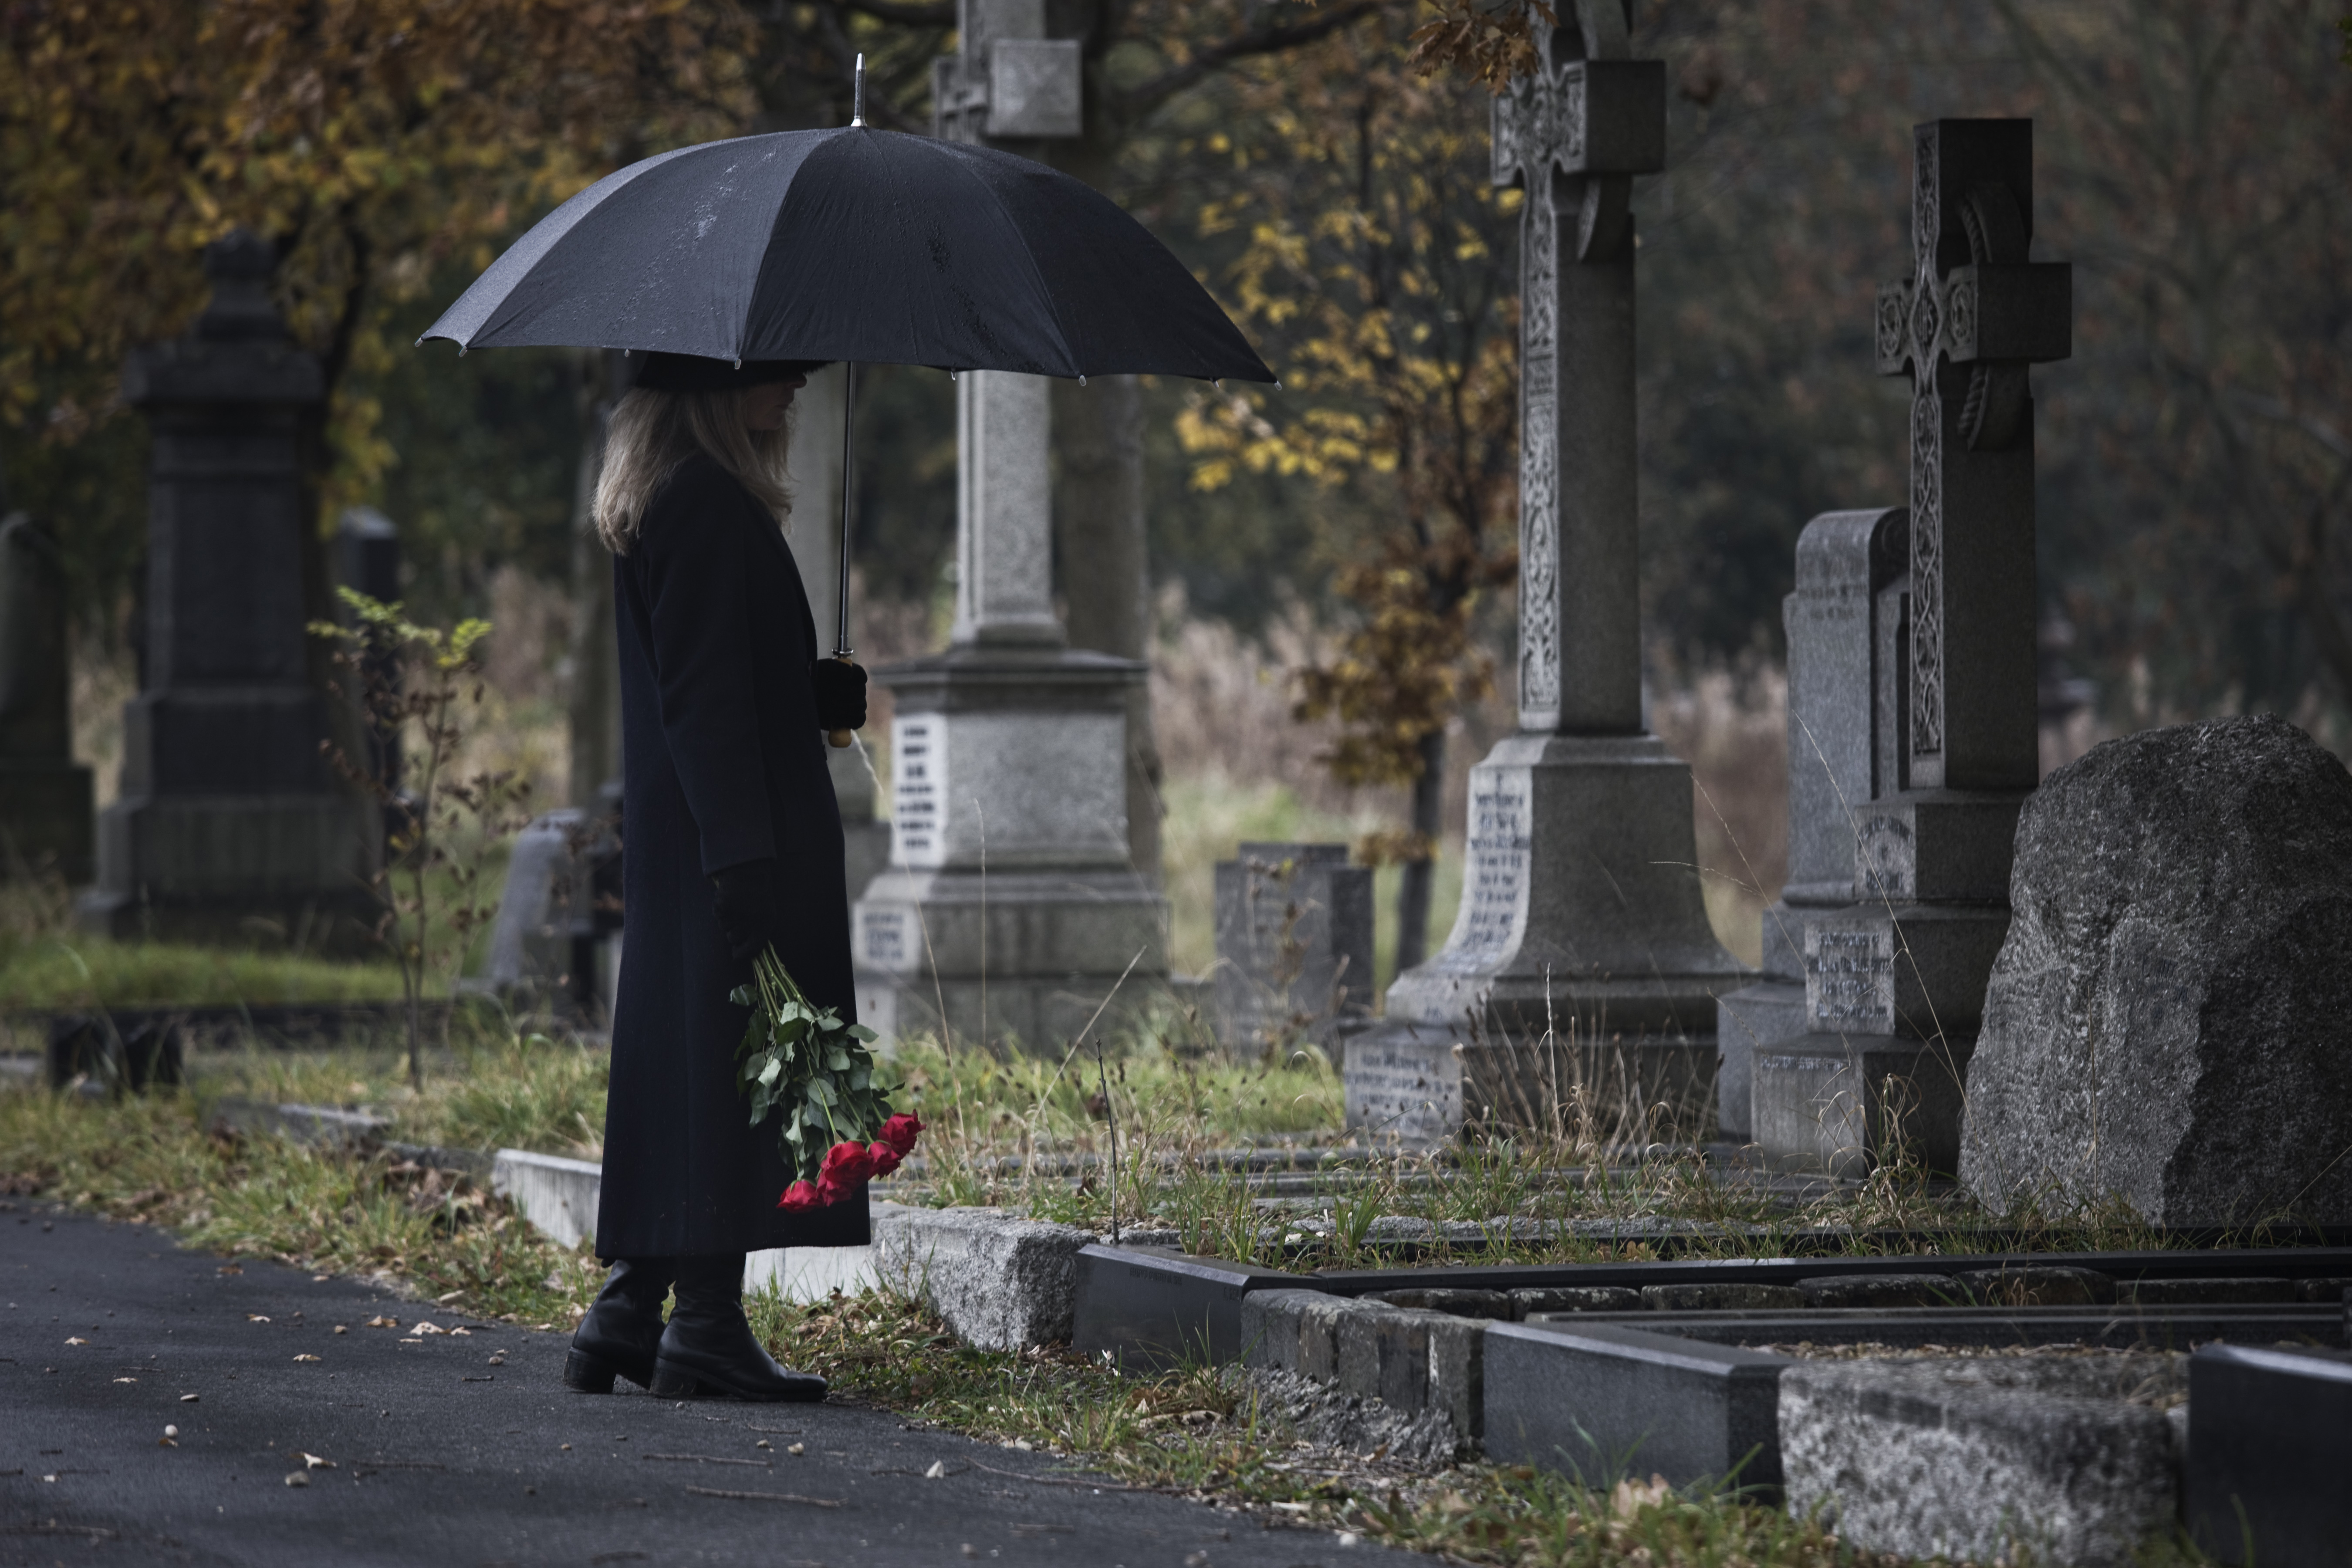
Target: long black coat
724,764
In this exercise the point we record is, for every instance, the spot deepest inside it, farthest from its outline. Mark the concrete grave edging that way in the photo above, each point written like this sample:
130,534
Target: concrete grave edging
1000,1282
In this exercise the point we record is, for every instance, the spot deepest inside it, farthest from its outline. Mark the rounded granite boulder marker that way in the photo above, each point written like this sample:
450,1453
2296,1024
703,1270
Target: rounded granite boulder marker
2169,1022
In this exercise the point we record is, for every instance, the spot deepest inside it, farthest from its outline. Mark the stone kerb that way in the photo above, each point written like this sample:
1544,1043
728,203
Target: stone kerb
1000,1283
556,1194
2170,1018
2071,1459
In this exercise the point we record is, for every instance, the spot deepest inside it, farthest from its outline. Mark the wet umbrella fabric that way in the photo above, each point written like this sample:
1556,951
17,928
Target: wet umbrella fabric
854,244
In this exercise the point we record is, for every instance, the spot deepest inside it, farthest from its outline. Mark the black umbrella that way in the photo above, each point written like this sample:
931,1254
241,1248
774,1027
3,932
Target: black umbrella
856,245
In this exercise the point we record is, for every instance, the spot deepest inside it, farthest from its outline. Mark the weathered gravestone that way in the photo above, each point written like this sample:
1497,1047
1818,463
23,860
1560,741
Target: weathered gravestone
230,814
1294,946
1840,623
1895,984
1582,947
2170,1019
45,795
1009,907
560,900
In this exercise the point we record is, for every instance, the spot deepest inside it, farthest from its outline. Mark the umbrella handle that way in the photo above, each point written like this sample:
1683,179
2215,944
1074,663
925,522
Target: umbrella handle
839,740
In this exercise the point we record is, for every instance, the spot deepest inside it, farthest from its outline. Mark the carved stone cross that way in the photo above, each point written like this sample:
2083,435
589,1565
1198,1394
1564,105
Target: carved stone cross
1574,132
1972,316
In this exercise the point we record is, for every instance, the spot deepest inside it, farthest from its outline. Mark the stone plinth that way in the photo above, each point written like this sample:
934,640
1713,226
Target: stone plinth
1009,909
45,795
1847,562
228,814
1294,946
2170,1021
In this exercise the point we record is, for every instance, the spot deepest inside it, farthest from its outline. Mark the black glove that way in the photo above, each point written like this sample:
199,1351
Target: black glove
750,899
840,694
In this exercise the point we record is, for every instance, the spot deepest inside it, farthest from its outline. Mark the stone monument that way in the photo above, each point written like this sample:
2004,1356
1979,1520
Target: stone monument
2170,1019
1294,947
1850,581
228,813
45,795
1895,984
1581,924
1010,907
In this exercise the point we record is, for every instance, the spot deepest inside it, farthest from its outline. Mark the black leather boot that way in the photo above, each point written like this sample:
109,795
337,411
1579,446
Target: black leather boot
708,1350
622,1330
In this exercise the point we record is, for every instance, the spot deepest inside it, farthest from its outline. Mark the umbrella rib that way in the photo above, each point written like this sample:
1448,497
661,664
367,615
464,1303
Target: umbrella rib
1028,259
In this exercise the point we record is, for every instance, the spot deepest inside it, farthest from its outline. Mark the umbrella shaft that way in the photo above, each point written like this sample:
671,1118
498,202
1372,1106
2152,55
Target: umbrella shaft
841,649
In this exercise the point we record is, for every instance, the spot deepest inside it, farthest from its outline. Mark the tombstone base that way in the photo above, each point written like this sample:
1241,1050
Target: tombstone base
1420,1084
230,868
1845,1105
46,819
1022,955
1752,1019
1581,908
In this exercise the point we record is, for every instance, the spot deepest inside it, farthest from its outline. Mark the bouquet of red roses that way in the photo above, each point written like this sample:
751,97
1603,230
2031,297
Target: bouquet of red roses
838,1129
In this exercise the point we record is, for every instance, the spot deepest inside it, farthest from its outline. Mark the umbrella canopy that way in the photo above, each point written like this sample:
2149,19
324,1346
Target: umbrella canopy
854,244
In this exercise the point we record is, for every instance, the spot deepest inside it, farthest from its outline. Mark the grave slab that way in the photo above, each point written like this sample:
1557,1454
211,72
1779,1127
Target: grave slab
2069,1458
2265,1462
1601,1401
556,1194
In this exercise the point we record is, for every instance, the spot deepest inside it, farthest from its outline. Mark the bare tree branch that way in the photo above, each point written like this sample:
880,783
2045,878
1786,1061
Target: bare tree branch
1141,100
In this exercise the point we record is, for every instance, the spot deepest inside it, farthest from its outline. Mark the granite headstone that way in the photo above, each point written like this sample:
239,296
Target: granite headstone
1294,926
1581,932
229,820
1845,563
1895,984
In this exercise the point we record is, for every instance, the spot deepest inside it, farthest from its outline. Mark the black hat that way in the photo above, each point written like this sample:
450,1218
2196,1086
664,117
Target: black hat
693,373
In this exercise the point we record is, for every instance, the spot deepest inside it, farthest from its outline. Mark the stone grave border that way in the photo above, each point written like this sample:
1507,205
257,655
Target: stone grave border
1658,1390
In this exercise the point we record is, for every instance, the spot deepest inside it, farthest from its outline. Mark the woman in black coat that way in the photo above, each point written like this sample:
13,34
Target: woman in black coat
732,844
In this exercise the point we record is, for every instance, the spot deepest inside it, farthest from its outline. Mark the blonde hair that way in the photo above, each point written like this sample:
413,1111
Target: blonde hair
651,433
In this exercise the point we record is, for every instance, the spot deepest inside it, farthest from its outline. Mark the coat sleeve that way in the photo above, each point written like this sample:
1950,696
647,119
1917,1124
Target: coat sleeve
698,585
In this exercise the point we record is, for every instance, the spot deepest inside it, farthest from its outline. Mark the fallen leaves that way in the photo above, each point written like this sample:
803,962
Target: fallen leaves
379,1321
256,1317
313,1462
77,1339
307,1357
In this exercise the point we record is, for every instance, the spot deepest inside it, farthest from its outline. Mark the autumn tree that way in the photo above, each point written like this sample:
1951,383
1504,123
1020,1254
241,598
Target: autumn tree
1377,266
371,142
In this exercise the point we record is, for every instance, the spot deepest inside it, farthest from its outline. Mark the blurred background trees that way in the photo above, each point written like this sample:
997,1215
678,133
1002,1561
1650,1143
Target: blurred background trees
2196,455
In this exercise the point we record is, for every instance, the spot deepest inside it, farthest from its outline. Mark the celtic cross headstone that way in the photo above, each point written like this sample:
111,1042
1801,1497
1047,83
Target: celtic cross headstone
1895,984
1582,927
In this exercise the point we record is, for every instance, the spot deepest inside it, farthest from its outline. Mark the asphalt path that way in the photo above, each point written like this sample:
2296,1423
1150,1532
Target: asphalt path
304,1436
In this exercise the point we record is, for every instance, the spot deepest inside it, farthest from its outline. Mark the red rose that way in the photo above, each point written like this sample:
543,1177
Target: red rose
900,1132
800,1196
845,1164
883,1157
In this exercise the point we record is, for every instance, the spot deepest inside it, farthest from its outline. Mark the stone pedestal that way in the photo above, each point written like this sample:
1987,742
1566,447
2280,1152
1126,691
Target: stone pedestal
1894,985
1294,947
1582,963
229,815
1009,909
1846,564
45,795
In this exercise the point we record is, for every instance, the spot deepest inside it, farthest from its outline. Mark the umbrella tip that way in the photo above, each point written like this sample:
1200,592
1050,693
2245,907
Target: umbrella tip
858,95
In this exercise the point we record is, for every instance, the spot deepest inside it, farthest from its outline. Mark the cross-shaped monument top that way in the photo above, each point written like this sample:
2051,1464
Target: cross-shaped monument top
1965,326
1574,132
